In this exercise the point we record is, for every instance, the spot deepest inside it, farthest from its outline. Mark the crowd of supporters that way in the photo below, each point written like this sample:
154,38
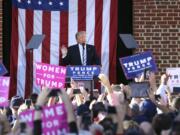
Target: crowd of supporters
113,112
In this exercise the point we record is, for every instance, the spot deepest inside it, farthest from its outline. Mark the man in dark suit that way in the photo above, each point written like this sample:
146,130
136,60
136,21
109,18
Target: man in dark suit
81,53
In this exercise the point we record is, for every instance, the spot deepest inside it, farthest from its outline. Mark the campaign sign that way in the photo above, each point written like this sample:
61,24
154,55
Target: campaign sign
4,90
174,80
51,76
83,72
54,120
136,64
3,69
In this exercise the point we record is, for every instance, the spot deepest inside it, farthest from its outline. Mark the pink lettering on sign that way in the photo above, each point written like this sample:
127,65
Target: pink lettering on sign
54,119
51,76
4,90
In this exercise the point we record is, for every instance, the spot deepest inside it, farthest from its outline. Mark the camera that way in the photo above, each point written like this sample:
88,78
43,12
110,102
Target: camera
28,102
76,91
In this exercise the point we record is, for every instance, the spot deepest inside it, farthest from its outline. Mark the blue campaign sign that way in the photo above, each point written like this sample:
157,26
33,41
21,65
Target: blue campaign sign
136,64
3,69
82,72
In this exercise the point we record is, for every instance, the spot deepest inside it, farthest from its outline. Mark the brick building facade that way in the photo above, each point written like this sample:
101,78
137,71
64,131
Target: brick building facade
156,27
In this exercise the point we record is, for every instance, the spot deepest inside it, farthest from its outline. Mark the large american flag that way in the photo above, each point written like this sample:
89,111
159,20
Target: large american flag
59,20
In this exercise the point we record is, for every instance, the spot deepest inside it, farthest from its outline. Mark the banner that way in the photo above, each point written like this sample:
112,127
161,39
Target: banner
54,120
4,90
83,72
174,80
136,64
51,76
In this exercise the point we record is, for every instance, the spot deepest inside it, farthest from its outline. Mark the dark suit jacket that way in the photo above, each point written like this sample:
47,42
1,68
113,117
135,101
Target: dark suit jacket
73,56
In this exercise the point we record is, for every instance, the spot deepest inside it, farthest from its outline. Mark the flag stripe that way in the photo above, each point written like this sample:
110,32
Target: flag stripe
54,39
82,15
105,37
113,40
14,53
63,31
29,55
73,21
98,25
37,53
46,26
21,71
90,21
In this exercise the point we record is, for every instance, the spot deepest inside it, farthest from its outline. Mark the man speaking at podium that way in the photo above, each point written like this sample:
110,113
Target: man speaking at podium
81,53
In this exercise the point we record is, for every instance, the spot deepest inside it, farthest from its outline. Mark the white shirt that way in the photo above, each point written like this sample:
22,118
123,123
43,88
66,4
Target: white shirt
81,52
162,92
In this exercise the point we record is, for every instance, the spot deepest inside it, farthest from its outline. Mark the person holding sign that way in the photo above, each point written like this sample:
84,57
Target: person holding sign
81,53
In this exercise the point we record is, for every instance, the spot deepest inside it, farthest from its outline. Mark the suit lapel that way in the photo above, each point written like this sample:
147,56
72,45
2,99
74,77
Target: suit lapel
88,53
78,55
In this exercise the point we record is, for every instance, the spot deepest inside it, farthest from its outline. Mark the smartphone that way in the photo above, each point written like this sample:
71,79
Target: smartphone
139,89
28,102
176,90
157,97
146,74
111,110
68,79
76,91
95,93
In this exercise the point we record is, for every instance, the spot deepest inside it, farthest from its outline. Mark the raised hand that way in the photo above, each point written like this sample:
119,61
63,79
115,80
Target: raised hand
104,80
42,98
165,78
63,51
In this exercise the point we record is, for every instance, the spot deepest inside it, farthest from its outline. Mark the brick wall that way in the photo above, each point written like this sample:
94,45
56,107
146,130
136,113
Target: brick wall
156,27
0,29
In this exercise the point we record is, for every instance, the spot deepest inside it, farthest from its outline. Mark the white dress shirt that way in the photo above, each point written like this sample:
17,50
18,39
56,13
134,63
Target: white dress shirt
81,52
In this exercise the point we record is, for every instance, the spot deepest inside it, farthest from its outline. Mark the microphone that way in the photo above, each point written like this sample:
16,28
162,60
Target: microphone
83,44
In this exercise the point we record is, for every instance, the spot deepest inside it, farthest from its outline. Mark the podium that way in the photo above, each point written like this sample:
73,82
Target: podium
83,75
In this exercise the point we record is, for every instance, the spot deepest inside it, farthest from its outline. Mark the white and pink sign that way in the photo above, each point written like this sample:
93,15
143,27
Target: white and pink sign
174,80
51,76
4,90
54,120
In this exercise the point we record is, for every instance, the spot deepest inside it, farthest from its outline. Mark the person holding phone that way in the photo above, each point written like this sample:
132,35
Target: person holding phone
28,102
163,88
41,101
